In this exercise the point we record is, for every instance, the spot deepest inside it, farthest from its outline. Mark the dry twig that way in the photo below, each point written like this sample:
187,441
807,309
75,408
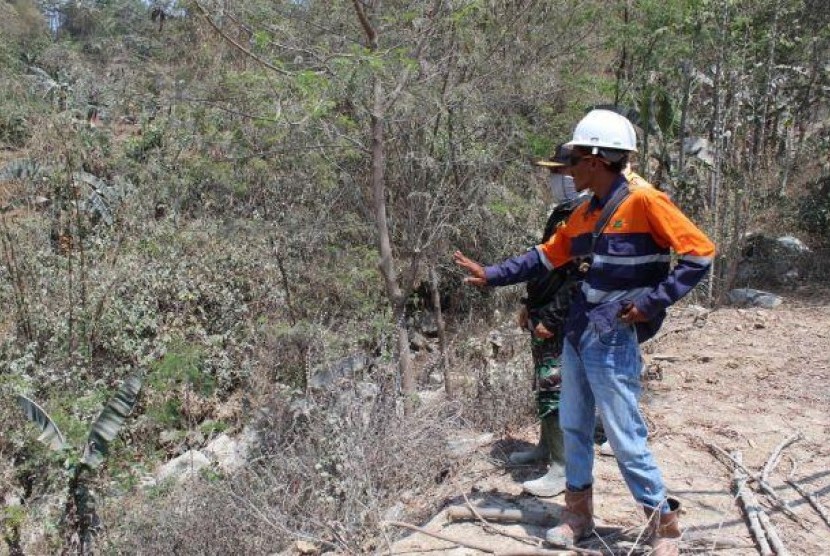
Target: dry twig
812,499
775,457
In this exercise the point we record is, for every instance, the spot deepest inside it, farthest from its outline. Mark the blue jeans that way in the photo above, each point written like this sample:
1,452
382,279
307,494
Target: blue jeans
604,374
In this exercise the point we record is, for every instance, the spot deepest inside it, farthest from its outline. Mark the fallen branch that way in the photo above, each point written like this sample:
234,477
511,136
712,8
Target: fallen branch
750,505
529,551
772,535
776,455
812,499
768,490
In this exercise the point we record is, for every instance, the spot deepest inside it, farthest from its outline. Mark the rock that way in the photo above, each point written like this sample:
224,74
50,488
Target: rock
306,547
699,147
755,298
766,260
697,311
228,454
195,438
792,244
496,339
345,368
425,323
463,446
184,467
418,342
395,513
171,436
12,499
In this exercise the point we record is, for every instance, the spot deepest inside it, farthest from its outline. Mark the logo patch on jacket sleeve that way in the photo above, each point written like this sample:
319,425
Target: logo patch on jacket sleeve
618,224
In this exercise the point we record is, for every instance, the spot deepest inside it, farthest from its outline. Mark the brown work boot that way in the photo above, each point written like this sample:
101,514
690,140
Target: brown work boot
663,530
576,521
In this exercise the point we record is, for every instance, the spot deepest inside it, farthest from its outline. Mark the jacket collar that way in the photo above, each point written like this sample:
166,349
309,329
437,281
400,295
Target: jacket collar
598,204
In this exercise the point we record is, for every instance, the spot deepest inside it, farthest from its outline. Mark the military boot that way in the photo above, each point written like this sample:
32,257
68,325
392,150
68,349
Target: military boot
537,454
575,522
663,530
553,482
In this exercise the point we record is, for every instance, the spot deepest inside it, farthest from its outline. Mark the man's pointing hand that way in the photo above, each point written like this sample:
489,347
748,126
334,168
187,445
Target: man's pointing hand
476,271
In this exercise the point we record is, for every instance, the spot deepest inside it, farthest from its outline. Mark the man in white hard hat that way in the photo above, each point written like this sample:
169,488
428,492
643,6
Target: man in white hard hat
621,240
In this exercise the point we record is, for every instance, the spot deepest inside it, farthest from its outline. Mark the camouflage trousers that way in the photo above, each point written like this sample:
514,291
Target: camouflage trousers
547,380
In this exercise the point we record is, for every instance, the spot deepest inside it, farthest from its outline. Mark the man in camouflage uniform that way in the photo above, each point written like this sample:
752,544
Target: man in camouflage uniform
543,314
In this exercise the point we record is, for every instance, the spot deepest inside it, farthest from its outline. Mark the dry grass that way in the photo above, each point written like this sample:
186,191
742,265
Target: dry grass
326,472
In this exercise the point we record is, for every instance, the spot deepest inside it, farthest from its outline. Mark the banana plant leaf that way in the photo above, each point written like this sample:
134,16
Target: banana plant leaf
50,434
109,422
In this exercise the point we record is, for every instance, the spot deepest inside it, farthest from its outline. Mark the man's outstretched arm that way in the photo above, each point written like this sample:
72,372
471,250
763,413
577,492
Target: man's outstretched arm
511,271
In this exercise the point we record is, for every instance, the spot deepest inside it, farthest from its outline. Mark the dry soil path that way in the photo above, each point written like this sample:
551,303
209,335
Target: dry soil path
741,379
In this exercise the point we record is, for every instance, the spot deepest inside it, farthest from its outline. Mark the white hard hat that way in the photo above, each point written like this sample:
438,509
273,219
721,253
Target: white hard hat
604,129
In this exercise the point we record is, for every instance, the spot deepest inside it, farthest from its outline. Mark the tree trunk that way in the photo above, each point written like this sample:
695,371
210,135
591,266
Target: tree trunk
442,333
384,242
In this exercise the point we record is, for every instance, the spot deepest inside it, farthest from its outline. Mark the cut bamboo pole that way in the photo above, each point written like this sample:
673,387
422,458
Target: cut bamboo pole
501,515
751,507
772,535
768,490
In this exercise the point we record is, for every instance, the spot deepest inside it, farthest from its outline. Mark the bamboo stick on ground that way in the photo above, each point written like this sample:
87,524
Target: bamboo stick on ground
768,490
490,528
529,551
751,507
772,535
501,515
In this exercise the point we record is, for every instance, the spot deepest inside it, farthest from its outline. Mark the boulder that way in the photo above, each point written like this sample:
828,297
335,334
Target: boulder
464,446
792,244
754,298
768,260
227,453
184,467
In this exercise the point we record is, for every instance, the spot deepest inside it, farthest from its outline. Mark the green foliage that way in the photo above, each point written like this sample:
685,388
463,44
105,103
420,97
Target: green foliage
541,146
79,518
151,138
183,364
814,210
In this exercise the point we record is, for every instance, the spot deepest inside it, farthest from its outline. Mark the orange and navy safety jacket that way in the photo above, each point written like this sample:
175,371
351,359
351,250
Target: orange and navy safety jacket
630,262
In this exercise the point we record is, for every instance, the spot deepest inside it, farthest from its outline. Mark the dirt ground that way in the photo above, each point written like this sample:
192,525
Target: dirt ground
741,379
